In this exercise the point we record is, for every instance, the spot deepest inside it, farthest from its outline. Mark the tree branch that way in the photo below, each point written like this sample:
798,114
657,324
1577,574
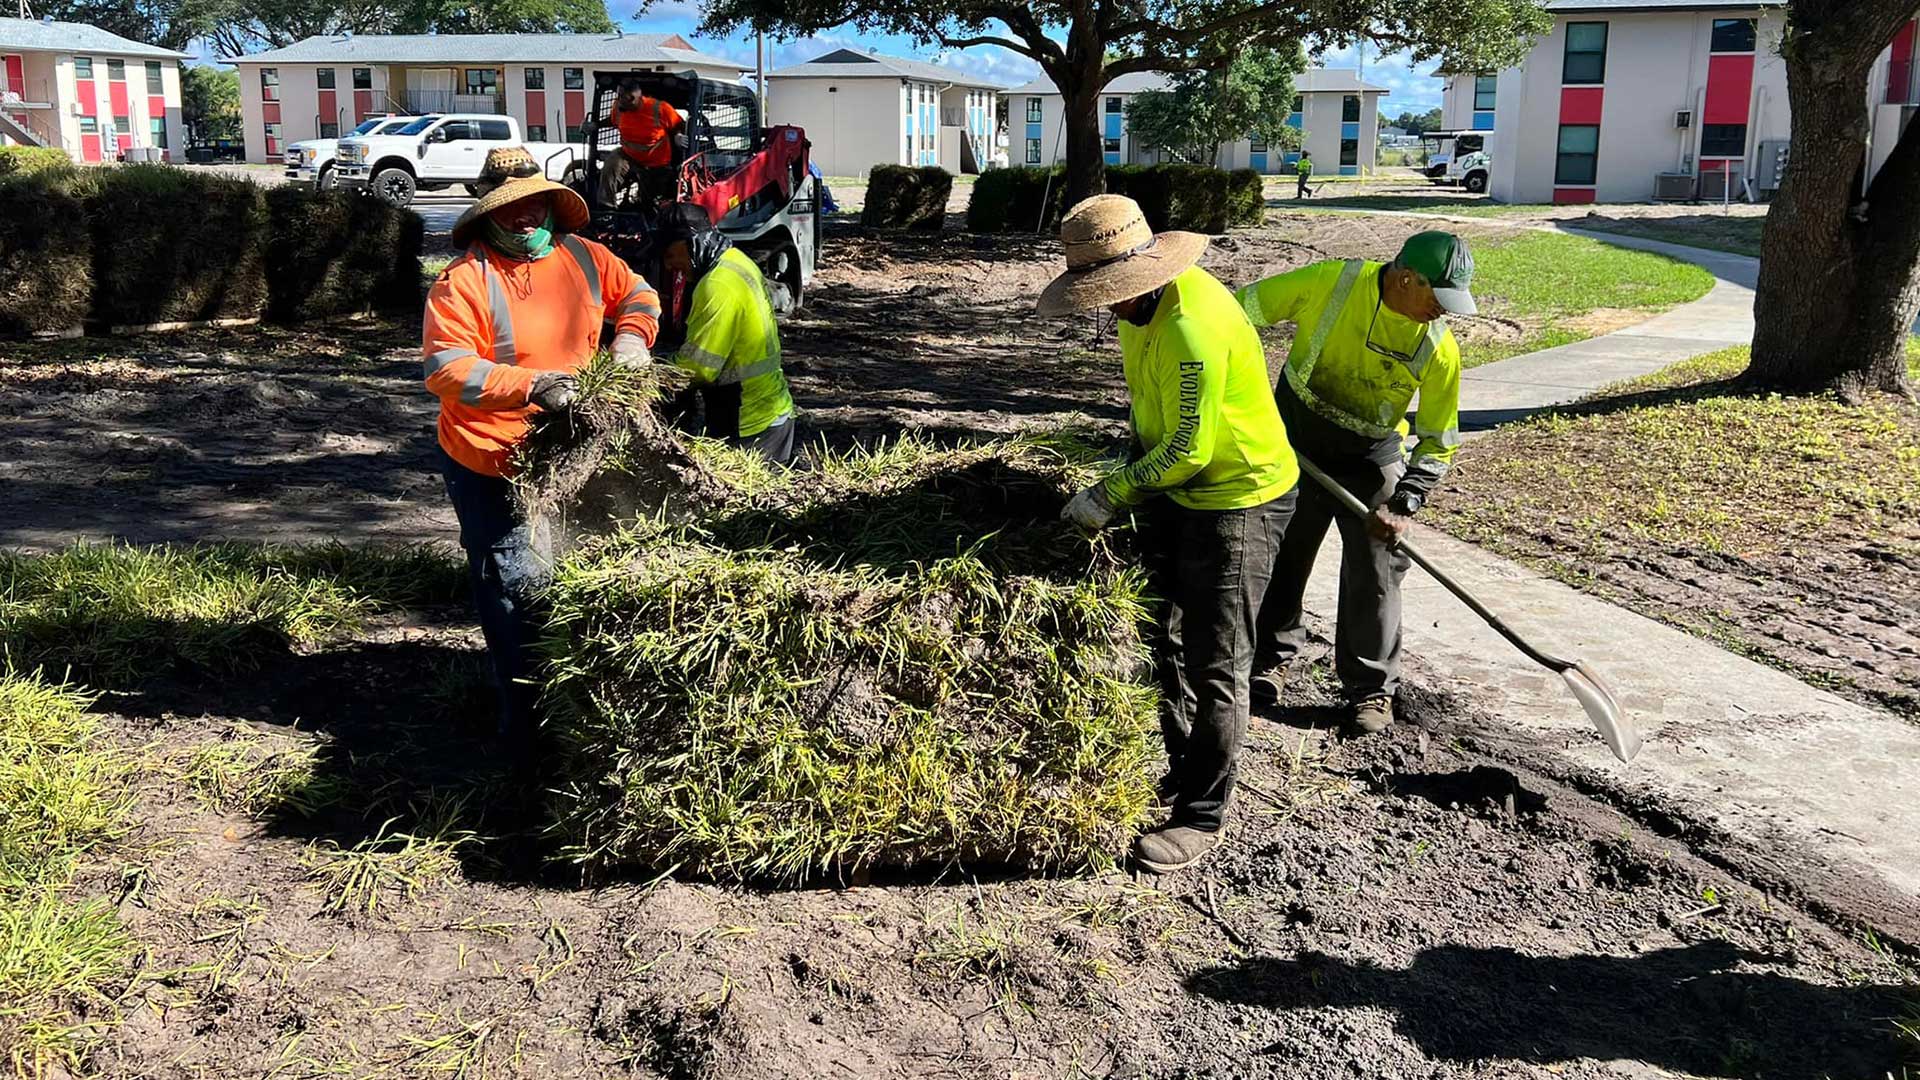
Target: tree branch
1005,43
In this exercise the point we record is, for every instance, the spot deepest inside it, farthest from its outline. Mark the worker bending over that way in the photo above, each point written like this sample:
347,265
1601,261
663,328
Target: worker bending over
732,347
507,325
645,153
1214,447
1366,338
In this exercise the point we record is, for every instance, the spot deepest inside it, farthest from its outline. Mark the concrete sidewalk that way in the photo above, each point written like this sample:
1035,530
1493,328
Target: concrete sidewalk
1795,786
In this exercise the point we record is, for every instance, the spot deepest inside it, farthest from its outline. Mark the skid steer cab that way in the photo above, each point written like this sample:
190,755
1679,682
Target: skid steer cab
752,180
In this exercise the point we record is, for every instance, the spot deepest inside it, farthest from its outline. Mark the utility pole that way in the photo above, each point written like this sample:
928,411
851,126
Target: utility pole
759,70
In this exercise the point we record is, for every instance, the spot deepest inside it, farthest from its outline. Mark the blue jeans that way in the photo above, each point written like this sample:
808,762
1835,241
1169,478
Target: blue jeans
508,560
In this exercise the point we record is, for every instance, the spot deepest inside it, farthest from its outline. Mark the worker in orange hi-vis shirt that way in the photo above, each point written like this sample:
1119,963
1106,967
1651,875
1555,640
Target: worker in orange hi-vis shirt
645,152
507,325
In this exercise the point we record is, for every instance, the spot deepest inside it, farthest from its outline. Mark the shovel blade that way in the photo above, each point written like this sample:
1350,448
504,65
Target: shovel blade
1623,737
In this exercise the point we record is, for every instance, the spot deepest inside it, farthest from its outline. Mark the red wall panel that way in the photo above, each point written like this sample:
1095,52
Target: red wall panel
362,105
576,106
1729,88
83,89
330,108
270,112
537,110
1580,104
1565,195
117,93
89,148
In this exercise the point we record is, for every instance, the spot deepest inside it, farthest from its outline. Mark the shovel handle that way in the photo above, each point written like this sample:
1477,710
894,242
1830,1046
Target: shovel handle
1354,505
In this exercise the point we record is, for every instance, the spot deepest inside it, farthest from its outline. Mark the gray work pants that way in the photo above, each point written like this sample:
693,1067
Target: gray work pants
1211,567
1366,638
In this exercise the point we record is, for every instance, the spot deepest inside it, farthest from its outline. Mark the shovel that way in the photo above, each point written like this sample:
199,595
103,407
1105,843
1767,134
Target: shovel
1623,738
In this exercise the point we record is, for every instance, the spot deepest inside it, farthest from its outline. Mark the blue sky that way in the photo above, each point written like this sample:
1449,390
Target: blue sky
1411,89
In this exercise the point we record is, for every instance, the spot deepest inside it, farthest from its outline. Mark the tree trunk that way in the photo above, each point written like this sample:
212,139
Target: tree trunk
1086,156
1839,280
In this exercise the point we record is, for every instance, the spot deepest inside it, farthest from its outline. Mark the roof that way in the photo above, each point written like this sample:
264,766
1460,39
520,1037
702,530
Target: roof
1311,81
1567,7
853,64
46,35
494,48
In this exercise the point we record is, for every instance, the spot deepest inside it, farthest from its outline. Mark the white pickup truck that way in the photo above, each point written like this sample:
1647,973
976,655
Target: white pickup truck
436,152
310,161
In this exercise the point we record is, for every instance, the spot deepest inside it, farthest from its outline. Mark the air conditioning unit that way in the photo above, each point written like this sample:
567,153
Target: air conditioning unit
1683,118
1672,187
1715,182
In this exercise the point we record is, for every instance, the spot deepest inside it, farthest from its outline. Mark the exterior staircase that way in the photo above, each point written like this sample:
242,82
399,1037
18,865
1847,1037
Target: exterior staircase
21,133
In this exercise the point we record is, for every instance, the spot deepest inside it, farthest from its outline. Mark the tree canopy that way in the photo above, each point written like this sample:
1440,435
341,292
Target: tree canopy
1202,110
210,102
241,26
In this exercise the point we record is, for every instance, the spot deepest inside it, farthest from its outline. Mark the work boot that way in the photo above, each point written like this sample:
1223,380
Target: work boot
1373,715
1173,847
1269,685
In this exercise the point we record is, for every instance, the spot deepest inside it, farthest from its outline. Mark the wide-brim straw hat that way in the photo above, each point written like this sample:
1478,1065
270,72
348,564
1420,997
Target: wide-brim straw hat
1113,255
510,175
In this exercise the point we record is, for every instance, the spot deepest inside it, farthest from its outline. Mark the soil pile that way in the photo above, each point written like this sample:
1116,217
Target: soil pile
900,657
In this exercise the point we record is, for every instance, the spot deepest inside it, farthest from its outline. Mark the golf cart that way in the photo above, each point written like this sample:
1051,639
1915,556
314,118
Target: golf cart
1458,157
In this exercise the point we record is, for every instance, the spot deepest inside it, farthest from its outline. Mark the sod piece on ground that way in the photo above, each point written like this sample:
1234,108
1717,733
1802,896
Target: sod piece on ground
900,658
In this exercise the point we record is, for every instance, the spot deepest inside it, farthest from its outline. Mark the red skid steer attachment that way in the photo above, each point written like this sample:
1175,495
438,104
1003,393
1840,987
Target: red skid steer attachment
766,180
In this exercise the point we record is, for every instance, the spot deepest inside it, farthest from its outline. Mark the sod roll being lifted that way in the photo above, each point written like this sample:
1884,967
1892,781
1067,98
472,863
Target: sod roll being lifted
899,659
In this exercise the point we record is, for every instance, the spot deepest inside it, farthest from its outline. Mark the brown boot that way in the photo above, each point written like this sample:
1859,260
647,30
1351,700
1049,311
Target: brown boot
1269,685
1373,715
1173,847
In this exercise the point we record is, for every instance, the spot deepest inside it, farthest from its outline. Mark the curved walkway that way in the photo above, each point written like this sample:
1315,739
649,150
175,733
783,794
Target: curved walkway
1799,788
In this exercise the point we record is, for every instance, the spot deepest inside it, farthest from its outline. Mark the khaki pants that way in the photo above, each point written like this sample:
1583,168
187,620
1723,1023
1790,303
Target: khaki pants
650,183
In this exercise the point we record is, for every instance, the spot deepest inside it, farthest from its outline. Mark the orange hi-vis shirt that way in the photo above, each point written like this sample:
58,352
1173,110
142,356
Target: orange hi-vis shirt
644,131
493,323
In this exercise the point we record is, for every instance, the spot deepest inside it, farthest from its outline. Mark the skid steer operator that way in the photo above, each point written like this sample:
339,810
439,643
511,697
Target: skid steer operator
507,324
1367,336
645,153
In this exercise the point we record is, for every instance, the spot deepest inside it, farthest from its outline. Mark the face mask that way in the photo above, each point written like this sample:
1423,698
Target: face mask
532,246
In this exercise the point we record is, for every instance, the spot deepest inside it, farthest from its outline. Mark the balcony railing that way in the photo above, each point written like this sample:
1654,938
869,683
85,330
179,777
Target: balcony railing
449,101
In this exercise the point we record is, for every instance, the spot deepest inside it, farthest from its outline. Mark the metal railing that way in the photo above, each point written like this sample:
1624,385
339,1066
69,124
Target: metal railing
451,101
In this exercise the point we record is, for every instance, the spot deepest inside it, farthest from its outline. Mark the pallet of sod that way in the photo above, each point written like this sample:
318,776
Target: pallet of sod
900,659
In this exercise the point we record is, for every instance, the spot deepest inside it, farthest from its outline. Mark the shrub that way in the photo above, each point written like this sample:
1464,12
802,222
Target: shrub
1010,200
1196,198
901,658
901,197
339,253
46,257
174,246
15,160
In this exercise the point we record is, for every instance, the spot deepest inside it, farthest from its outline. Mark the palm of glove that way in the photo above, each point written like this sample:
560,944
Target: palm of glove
554,391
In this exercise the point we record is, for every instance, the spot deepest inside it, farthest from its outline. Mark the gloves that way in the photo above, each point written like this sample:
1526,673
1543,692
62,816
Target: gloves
553,391
630,352
1091,509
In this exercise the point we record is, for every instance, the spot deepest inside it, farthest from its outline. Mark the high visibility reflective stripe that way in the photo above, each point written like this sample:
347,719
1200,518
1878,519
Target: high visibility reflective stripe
639,300
503,351
1300,375
769,332
752,371
1254,306
584,257
476,384
706,361
1448,438
444,357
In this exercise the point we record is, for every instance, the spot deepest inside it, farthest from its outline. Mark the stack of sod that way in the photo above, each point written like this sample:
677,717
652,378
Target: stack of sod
899,658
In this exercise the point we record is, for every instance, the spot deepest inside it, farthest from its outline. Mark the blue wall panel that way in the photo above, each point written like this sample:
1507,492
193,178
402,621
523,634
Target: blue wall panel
1483,121
1349,131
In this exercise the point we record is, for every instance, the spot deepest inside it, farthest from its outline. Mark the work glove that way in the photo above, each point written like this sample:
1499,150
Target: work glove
1091,509
630,352
553,391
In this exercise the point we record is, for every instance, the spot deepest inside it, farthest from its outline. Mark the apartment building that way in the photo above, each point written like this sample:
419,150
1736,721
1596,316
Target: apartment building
862,109
93,94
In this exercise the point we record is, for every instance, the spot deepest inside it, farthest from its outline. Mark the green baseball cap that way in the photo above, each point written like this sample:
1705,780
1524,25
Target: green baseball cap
1443,259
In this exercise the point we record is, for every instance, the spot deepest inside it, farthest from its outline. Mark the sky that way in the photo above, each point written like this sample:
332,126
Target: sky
1411,89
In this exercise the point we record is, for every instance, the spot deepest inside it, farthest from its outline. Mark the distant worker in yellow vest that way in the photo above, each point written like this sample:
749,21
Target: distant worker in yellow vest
1366,338
645,153
1214,477
1305,168
732,346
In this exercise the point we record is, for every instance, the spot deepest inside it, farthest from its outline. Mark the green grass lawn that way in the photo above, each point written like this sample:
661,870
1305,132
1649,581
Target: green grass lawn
1544,280
1738,234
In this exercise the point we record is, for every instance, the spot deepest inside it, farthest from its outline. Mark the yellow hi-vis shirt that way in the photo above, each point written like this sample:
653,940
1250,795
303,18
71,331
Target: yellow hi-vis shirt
731,338
1202,406
1331,370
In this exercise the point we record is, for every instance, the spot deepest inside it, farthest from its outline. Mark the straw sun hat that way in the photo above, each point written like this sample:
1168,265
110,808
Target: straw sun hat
510,175
1112,255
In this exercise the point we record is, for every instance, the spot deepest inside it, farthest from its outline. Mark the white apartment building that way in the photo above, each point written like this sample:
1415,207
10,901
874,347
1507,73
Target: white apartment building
1629,100
93,94
325,85
862,109
1338,113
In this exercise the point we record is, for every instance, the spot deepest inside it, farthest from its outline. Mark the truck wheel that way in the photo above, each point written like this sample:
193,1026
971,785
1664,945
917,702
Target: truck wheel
1475,183
326,181
783,281
394,187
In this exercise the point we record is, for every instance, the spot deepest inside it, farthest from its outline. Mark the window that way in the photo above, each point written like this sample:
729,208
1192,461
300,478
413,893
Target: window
1111,146
1733,35
1299,103
457,130
1579,155
573,78
273,132
536,78
116,71
155,85
363,78
484,82
122,125
1350,109
89,126
1349,151
576,133
269,84
157,131
1113,105
83,67
329,130
1033,110
1483,92
323,78
1256,145
536,133
1033,151
1586,57
495,130
1723,140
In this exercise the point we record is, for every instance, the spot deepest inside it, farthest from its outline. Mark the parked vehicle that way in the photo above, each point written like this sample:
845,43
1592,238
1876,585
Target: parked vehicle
437,152
310,161
210,151
1459,157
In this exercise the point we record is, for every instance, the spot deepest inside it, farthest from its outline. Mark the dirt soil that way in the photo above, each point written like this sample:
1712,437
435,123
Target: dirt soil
1400,907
